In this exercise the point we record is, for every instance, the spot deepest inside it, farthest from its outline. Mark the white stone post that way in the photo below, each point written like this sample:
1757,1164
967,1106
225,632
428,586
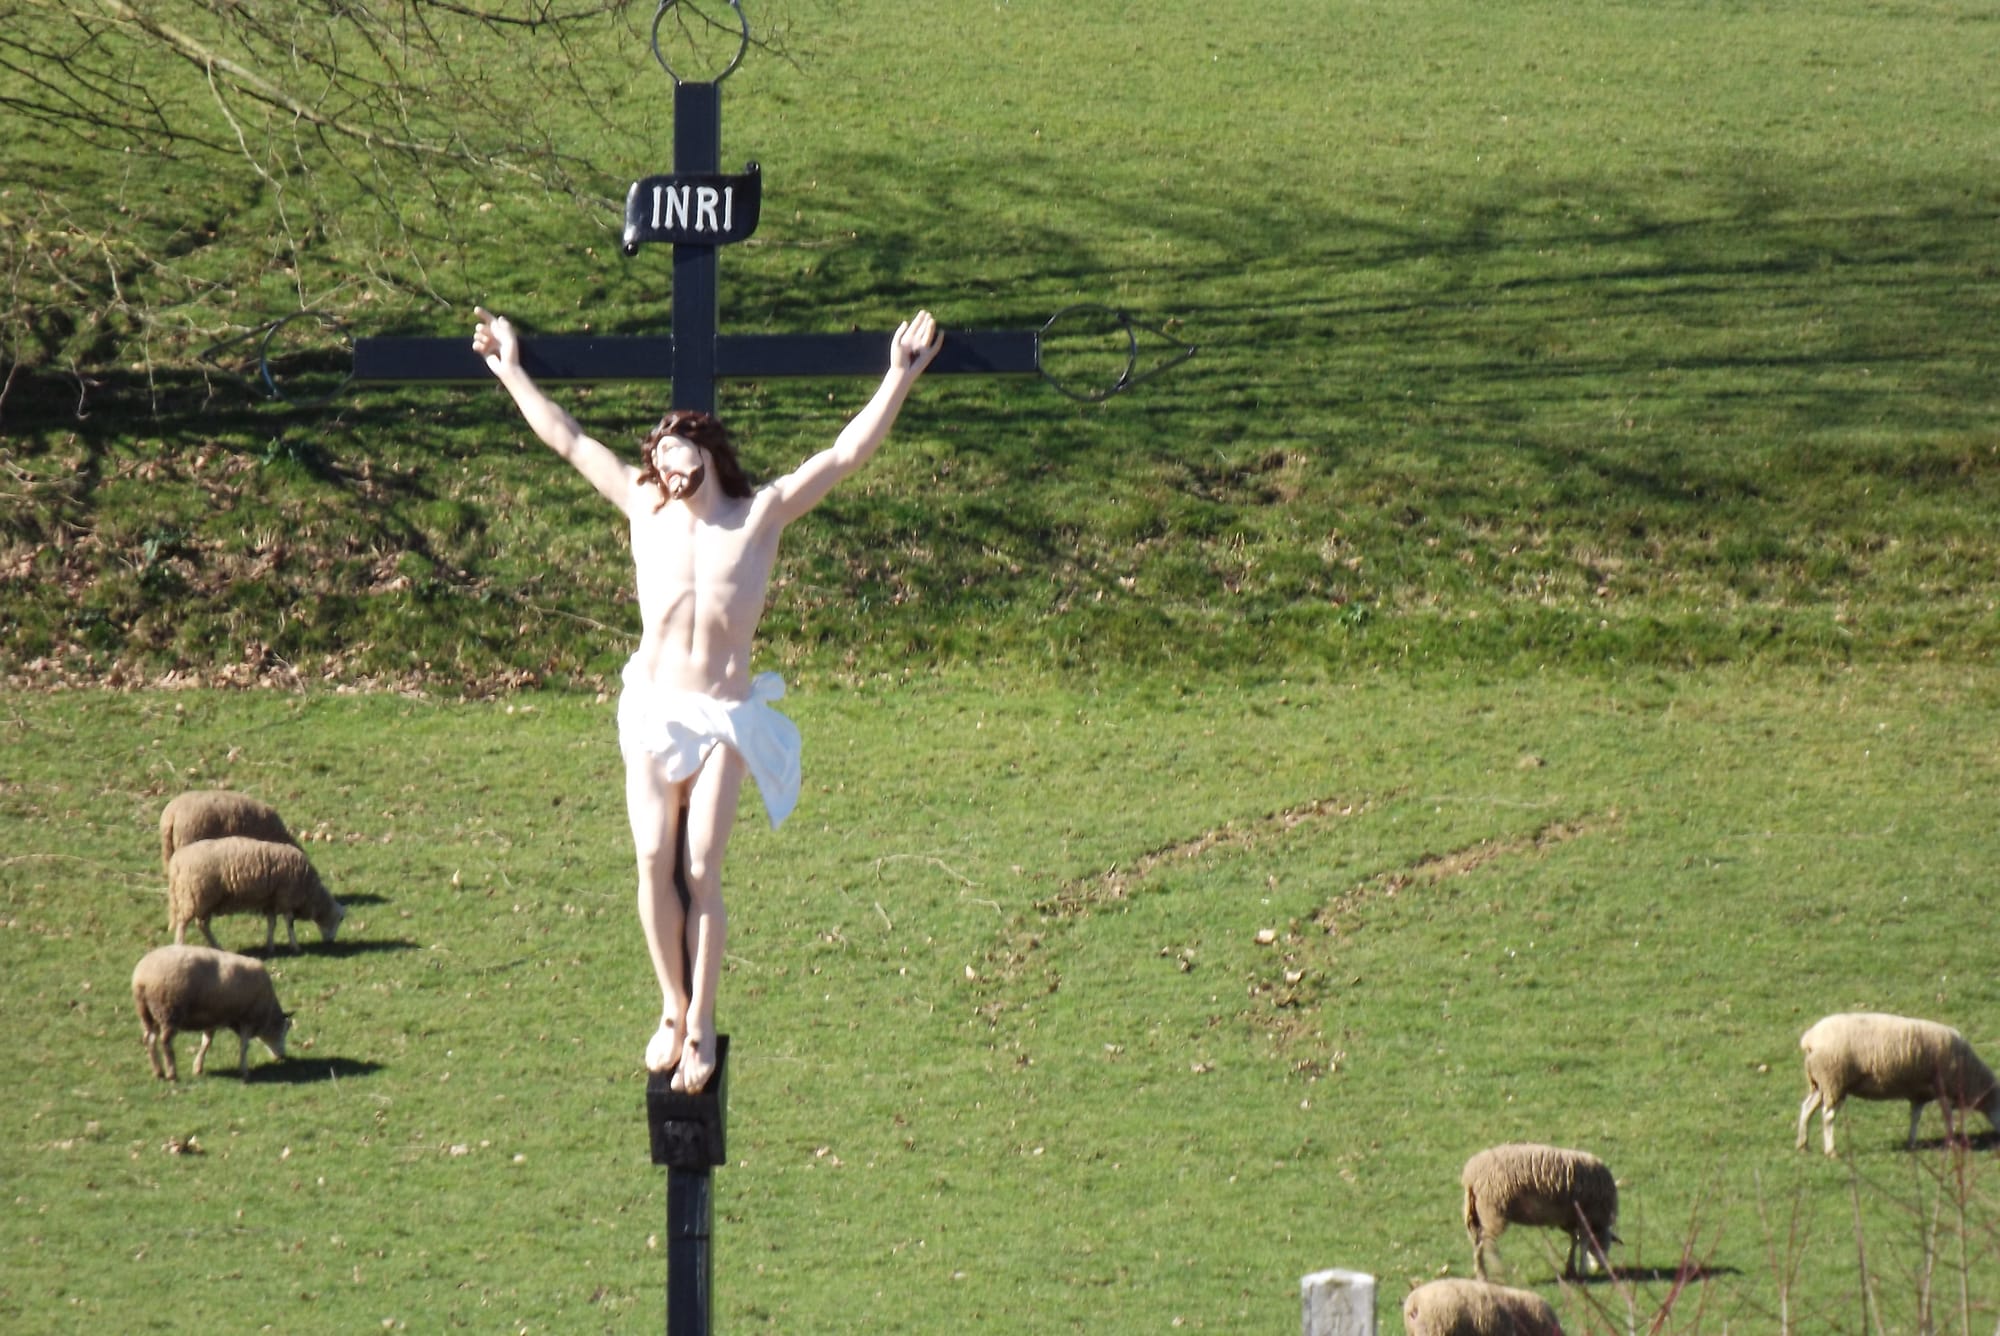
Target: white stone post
1338,1303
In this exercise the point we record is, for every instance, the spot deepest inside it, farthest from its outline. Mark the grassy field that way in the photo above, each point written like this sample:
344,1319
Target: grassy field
1534,659
1010,1050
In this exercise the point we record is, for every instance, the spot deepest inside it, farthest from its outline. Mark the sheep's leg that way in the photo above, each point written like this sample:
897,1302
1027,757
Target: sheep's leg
167,1050
1826,1112
201,1054
1952,1125
209,933
1479,1242
291,934
1805,1113
151,1037
270,932
243,1055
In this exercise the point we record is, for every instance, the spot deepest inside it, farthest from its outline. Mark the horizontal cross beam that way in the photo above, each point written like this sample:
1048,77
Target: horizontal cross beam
623,357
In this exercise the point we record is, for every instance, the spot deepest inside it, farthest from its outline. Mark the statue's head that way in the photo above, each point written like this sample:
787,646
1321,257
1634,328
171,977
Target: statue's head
684,449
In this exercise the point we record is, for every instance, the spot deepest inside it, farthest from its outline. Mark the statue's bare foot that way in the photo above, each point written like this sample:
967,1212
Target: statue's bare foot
697,1065
663,1050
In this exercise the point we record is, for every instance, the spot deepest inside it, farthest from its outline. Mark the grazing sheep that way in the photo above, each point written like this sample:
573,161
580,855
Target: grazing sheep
1475,1308
179,988
1525,1184
1873,1056
210,814
235,875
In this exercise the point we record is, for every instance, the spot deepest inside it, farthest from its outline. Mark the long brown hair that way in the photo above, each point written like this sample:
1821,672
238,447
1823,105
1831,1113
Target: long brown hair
699,429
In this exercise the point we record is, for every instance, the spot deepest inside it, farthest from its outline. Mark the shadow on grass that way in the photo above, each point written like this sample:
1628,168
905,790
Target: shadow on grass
311,1071
346,950
1987,1140
1653,1275
331,950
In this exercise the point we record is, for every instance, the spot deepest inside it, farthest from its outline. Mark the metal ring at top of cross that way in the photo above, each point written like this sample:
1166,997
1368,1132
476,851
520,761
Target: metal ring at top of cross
742,45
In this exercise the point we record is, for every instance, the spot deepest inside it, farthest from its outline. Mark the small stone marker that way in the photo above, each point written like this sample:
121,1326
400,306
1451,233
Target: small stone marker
1338,1303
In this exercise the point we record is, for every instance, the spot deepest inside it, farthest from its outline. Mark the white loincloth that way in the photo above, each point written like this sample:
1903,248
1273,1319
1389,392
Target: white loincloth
682,727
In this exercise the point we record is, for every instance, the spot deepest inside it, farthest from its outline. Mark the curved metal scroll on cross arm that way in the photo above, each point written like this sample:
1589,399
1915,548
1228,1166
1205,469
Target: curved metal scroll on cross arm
260,339
1132,329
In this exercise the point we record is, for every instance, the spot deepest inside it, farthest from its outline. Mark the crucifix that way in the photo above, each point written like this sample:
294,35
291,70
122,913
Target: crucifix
697,209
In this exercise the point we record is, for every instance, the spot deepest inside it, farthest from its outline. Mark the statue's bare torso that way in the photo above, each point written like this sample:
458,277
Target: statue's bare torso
702,583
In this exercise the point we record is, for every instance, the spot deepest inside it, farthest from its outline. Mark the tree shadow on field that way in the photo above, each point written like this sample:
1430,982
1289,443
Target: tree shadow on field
312,1071
1498,304
1595,340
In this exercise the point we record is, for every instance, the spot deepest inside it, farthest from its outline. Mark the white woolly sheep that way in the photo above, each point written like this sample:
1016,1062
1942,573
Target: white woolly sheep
1874,1056
178,988
1526,1184
237,875
1474,1308
210,814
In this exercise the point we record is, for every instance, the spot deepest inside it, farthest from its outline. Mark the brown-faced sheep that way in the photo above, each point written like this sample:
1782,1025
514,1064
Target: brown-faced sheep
1526,1184
1873,1056
1474,1308
178,988
236,875
210,814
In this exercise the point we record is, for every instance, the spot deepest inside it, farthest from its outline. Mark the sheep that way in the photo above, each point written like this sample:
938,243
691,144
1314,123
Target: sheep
237,875
1526,1184
179,988
1874,1056
1474,1308
210,814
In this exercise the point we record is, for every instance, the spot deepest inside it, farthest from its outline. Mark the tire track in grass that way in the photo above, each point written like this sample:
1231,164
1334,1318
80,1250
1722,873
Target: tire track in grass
1080,896
1288,997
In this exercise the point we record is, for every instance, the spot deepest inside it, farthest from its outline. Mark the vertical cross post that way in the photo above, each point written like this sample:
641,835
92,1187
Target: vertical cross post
697,300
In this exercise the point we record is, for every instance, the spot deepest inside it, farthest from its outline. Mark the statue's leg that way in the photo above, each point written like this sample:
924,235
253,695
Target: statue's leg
711,815
652,803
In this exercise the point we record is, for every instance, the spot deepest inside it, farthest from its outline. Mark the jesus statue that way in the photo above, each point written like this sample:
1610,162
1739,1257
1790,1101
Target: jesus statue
692,720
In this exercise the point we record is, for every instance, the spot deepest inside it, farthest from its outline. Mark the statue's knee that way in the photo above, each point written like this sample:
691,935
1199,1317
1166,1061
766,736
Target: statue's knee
656,864
704,880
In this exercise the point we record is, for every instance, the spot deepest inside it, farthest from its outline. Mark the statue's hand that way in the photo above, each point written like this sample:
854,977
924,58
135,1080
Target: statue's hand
493,338
915,343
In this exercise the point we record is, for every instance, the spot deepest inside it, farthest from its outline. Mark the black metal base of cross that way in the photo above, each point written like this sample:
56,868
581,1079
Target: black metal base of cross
689,1136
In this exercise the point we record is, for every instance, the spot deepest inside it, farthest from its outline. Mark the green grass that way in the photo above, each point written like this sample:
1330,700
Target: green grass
1638,335
1009,1050
1556,603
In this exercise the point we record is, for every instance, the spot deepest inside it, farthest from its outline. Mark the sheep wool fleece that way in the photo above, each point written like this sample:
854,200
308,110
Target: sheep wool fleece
682,727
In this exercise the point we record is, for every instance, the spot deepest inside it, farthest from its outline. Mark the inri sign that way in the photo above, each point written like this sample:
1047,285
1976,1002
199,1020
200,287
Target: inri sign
692,209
